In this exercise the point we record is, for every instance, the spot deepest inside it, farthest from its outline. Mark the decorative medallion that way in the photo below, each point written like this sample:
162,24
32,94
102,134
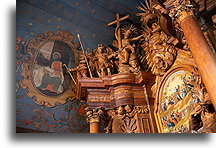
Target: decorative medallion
45,76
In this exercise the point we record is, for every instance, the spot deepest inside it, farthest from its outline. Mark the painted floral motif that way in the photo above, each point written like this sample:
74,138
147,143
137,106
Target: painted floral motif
178,100
65,118
68,118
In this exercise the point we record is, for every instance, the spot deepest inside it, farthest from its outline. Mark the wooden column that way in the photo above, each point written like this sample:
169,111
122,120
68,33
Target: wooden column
94,127
93,117
199,47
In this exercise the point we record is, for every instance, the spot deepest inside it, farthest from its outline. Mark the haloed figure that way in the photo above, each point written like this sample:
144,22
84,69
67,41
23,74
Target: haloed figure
53,76
127,53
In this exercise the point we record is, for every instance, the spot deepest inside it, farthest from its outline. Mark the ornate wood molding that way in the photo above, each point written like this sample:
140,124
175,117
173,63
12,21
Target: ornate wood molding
180,9
130,119
159,46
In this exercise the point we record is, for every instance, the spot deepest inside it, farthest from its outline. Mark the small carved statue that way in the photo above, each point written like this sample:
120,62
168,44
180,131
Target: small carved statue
101,61
126,54
82,69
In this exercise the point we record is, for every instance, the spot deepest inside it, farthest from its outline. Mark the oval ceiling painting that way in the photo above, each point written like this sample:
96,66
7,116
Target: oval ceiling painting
45,74
49,74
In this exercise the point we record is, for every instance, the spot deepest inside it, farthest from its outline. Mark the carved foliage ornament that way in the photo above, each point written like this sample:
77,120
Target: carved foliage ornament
128,125
179,9
94,115
159,49
122,118
44,74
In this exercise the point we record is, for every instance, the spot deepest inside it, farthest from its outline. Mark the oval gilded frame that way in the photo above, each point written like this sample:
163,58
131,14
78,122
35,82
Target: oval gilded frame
33,47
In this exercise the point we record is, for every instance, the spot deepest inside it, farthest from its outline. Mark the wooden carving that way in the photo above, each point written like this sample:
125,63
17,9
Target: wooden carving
93,115
81,69
159,47
127,59
101,62
126,55
124,119
202,119
128,125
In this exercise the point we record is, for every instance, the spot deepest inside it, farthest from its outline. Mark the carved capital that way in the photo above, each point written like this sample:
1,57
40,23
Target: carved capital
93,115
180,9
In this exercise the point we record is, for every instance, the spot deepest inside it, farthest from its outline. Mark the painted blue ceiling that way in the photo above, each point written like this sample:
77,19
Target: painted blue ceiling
89,18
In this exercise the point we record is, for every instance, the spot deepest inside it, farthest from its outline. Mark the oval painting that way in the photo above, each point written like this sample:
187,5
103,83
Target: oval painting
177,101
48,72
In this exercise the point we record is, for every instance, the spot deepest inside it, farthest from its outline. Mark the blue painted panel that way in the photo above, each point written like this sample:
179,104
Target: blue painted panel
89,18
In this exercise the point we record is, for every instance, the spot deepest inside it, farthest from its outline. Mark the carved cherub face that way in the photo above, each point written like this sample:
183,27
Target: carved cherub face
120,110
128,108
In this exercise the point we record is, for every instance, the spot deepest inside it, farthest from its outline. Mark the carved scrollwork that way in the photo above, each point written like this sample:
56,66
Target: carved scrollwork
159,47
179,9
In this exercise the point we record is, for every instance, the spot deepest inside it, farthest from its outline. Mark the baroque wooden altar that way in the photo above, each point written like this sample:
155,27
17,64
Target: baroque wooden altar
121,94
110,92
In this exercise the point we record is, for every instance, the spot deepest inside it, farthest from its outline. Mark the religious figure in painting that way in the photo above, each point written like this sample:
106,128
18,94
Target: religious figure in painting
188,82
177,93
53,76
167,122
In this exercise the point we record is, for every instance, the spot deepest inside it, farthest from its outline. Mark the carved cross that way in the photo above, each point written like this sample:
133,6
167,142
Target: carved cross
117,21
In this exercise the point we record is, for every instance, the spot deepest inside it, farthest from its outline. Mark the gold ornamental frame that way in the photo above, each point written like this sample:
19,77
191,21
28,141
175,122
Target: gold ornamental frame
171,71
32,47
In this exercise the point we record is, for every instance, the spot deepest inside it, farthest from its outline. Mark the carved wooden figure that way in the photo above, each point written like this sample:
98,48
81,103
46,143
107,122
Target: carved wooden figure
82,70
101,61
